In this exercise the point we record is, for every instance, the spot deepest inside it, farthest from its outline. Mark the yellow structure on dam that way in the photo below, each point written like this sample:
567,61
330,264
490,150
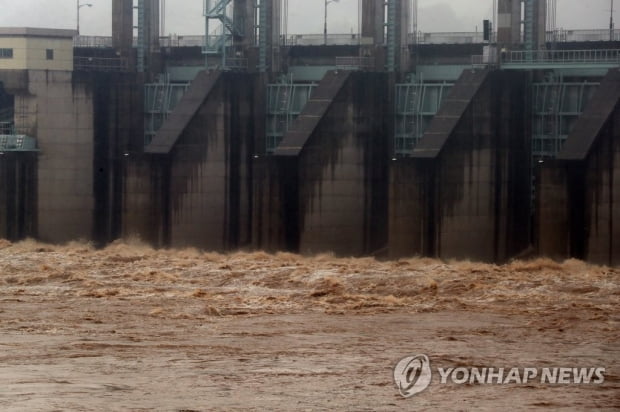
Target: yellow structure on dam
26,48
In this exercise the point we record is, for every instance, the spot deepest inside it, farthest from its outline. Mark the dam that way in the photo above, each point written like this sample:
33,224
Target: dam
388,142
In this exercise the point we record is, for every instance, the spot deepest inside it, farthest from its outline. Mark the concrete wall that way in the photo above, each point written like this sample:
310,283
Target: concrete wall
64,128
410,206
577,206
145,199
210,170
446,54
509,22
578,213
122,24
373,20
275,204
30,53
118,140
62,50
58,112
482,179
472,201
602,196
553,211
373,16
83,124
152,25
20,53
18,195
123,32
342,173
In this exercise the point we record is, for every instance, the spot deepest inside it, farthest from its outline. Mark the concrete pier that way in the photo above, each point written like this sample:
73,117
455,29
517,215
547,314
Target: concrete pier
194,179
582,215
338,152
18,198
374,147
465,192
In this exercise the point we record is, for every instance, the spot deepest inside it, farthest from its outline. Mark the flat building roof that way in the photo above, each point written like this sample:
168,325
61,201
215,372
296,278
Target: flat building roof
36,32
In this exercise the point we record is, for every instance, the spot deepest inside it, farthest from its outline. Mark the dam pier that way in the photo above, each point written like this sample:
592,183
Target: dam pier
388,142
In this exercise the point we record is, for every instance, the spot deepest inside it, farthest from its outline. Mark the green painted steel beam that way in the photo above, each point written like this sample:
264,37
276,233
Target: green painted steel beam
285,102
559,66
415,106
18,143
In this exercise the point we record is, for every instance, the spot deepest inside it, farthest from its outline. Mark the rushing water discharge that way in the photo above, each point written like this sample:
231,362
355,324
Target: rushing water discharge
133,328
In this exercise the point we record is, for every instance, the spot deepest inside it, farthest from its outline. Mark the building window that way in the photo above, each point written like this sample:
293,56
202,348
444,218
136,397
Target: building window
49,54
6,53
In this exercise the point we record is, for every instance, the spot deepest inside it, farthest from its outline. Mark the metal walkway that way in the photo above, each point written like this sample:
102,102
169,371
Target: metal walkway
342,39
561,59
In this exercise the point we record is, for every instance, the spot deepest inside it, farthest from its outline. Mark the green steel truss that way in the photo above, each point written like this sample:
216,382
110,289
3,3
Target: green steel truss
556,107
216,43
262,33
17,143
141,46
528,28
416,105
390,29
10,139
160,99
589,59
285,101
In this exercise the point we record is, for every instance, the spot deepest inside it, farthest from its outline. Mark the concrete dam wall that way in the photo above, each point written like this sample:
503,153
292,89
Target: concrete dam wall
579,209
83,123
465,191
332,183
336,154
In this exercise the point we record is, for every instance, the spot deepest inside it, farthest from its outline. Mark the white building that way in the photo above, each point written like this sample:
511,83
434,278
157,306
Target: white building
25,48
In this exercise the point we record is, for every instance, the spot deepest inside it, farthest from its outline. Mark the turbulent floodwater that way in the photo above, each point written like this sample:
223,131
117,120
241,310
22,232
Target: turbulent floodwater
132,328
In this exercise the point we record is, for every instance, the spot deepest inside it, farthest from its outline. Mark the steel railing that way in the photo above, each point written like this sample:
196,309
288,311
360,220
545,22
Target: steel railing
17,143
7,128
560,35
100,64
237,63
92,41
478,60
446,38
563,56
564,36
320,40
182,41
354,63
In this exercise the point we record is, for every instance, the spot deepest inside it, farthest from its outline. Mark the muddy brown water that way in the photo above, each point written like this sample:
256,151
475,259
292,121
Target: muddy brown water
132,328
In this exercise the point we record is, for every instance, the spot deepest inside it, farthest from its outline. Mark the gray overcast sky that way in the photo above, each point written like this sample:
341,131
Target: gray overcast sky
305,16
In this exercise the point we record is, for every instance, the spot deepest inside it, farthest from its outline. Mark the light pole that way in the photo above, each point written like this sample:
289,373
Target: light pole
325,20
78,7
